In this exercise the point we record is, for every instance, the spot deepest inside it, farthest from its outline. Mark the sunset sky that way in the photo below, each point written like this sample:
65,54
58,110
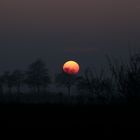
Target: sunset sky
61,30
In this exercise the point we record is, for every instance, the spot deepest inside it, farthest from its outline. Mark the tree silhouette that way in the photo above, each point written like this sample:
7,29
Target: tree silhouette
1,85
18,78
8,80
37,76
66,80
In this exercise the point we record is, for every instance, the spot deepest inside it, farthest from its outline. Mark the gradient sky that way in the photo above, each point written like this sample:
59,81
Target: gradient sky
59,30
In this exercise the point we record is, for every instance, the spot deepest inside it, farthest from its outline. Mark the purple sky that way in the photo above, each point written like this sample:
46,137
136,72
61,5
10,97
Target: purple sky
59,30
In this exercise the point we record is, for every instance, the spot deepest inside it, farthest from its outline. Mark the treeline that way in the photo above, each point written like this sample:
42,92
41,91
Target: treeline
35,78
122,84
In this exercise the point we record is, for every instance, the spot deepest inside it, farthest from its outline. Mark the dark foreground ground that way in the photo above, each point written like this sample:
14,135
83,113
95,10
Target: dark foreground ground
68,116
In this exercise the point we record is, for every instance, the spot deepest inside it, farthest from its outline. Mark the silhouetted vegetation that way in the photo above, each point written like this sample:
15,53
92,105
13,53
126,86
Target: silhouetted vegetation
18,80
127,78
66,80
120,85
97,85
37,76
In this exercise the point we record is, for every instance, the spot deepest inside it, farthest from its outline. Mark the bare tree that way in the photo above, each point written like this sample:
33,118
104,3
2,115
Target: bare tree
127,77
96,84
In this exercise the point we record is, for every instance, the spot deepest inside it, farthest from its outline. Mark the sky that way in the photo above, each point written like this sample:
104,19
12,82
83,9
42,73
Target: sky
61,30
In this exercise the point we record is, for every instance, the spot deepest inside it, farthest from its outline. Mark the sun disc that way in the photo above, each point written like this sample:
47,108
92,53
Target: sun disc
71,67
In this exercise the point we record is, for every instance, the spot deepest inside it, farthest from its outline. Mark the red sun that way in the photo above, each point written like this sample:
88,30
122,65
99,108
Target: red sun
71,67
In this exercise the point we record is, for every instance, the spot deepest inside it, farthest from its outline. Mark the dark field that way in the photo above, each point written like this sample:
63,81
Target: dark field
69,116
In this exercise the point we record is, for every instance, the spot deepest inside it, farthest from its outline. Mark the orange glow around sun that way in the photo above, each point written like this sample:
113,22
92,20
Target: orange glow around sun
71,67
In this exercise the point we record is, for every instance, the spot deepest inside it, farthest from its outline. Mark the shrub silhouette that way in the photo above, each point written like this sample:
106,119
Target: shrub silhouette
96,84
127,77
